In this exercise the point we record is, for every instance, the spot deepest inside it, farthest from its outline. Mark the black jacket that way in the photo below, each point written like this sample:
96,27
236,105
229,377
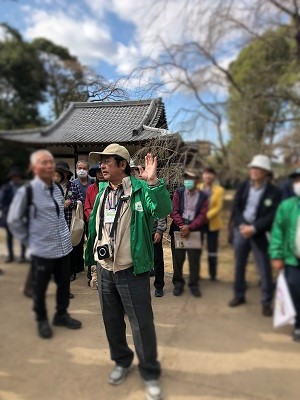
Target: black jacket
6,196
266,209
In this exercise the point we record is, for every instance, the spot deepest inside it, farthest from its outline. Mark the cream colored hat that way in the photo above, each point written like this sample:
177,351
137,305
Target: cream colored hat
261,161
113,149
192,172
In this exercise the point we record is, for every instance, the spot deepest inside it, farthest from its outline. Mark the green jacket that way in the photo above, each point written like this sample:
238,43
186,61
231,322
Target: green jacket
282,243
146,204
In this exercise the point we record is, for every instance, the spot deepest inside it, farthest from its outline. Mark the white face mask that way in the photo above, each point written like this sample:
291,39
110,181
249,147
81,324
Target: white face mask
296,187
82,173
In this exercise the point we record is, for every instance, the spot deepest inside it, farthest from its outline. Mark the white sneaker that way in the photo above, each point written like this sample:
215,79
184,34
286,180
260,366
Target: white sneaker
118,374
153,390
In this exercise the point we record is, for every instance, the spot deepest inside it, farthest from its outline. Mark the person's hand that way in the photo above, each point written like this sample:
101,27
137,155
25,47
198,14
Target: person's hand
277,264
185,231
157,237
67,203
247,231
149,174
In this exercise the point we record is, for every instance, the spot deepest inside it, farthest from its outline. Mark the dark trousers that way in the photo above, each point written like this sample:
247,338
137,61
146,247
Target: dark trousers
159,265
42,271
259,246
10,245
292,275
76,258
178,257
212,238
125,291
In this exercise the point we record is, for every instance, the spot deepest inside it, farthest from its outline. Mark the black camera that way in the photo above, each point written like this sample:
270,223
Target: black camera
103,252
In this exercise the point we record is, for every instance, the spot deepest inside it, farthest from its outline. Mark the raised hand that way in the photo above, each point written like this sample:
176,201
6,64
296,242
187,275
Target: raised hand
149,174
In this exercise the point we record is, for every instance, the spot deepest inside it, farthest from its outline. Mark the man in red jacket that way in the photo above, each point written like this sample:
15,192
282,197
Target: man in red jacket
92,190
190,206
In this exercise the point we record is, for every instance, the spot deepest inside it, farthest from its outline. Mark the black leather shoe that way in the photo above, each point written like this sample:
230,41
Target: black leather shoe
296,335
195,291
267,311
67,321
22,260
28,293
71,295
152,272
44,329
177,291
236,302
9,259
159,293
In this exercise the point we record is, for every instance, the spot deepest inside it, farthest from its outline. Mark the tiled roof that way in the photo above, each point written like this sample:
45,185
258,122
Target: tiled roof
98,122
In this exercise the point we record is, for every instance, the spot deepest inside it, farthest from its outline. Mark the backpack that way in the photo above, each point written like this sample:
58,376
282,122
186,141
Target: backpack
29,196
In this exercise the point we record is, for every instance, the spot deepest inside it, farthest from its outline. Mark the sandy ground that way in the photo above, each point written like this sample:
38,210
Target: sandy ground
207,350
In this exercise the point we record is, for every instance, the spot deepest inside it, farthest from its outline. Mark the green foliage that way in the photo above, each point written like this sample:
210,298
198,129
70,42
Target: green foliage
263,97
12,155
32,73
46,46
22,83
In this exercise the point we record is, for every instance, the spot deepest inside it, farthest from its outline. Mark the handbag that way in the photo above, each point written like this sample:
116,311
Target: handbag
284,310
77,224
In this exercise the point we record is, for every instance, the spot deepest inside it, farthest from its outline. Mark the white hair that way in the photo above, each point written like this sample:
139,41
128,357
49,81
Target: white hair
35,155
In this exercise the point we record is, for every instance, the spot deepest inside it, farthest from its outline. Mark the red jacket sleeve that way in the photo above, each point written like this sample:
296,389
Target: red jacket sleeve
175,214
91,194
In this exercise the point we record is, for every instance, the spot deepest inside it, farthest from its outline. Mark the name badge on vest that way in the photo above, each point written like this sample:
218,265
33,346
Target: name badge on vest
109,216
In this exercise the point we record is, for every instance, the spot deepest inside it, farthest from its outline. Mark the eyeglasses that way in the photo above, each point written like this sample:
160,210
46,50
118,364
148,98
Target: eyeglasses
105,161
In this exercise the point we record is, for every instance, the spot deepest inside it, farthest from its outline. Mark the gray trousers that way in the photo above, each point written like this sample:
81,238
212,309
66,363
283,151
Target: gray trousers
122,292
259,245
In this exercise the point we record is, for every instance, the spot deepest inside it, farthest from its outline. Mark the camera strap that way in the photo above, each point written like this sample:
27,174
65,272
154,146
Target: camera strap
118,211
101,224
116,219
